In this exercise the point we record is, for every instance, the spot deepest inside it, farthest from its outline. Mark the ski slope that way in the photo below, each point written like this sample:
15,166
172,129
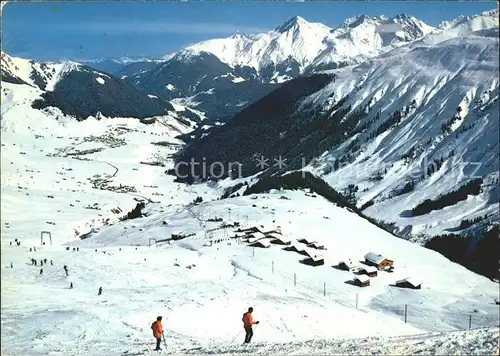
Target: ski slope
202,305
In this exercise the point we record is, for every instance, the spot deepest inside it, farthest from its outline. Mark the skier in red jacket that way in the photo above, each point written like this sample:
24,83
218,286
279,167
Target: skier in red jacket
247,325
157,332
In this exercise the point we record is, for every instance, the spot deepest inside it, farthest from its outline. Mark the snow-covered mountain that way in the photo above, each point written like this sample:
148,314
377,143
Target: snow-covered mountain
301,44
82,91
222,76
409,125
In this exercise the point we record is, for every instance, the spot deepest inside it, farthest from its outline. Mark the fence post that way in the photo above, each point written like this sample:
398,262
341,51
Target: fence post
294,279
406,312
324,289
273,267
470,321
356,300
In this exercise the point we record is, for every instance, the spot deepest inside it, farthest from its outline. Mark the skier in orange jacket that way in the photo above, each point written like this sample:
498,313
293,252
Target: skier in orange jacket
247,325
157,332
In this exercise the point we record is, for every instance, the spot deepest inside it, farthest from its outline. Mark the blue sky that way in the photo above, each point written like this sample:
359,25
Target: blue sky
52,31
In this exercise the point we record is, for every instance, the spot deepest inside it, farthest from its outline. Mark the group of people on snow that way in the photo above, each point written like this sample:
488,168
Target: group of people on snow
45,261
247,319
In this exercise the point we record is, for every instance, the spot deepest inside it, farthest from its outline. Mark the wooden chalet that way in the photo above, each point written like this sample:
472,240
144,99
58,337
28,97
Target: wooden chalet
411,283
260,244
349,265
315,260
362,280
256,236
377,260
291,248
280,240
370,271
316,246
307,241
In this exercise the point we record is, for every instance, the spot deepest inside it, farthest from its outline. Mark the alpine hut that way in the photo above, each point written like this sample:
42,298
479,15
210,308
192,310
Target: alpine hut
349,265
377,260
260,243
362,280
412,283
370,271
315,260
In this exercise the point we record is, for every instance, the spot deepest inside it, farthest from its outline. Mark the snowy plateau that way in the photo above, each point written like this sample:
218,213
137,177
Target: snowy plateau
92,194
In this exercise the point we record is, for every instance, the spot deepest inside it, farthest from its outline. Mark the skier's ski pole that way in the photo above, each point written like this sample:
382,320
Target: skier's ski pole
164,342
236,337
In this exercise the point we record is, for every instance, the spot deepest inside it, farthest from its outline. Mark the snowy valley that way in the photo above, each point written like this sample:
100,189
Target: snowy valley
86,156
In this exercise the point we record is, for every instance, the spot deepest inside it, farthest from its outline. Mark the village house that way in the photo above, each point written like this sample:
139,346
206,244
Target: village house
412,283
256,236
260,244
281,240
291,248
316,246
349,265
370,271
362,280
307,241
315,260
377,260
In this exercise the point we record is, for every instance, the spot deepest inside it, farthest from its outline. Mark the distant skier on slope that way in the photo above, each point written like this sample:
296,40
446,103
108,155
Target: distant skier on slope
157,328
41,271
247,325
66,269
100,291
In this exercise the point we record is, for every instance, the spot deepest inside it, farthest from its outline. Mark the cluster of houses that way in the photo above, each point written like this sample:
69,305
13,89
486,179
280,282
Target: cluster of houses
312,251
263,238
374,262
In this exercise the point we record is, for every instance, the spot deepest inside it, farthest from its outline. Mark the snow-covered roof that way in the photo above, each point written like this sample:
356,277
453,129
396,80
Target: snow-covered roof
282,238
362,278
257,235
412,280
307,241
349,263
275,235
374,257
370,269
265,243
317,257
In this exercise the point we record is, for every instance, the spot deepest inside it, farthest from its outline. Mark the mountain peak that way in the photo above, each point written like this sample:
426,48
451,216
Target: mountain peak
291,23
360,19
402,16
